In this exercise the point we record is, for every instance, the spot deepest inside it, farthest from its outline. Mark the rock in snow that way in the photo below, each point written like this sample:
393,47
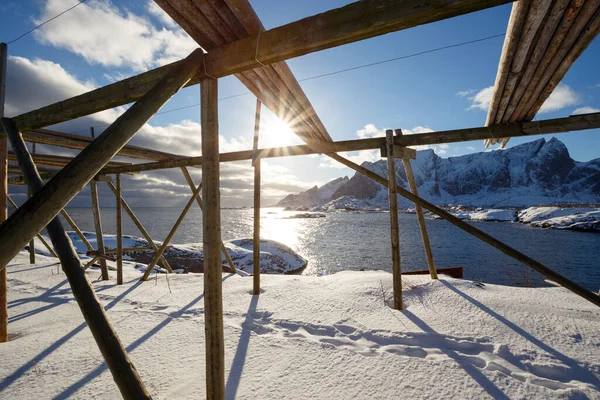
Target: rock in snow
275,258
304,337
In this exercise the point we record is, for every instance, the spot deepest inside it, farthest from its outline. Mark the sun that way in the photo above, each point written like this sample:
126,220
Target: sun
275,133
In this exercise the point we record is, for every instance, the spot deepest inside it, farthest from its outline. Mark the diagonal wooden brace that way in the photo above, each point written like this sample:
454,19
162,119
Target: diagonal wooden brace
44,205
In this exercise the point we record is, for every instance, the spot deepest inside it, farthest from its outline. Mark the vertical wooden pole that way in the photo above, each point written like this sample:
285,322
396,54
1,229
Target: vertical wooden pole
211,240
420,217
256,163
31,242
119,233
3,195
192,185
394,232
98,221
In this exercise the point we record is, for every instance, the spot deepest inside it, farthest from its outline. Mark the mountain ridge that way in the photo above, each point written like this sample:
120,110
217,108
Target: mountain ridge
537,172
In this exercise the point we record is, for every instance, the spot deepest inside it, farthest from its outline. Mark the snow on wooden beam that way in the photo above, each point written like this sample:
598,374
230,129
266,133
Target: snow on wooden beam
357,21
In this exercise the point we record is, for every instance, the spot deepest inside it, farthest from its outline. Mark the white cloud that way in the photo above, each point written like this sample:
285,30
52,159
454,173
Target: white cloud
480,100
562,96
465,93
103,34
585,110
155,10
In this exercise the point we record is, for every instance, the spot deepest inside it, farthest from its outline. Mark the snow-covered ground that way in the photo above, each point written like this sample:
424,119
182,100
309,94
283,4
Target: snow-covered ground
582,219
305,337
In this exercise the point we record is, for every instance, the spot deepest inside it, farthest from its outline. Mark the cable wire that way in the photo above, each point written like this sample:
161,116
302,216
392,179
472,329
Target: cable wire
45,22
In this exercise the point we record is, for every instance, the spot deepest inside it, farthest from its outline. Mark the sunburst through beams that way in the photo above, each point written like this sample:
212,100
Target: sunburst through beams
276,132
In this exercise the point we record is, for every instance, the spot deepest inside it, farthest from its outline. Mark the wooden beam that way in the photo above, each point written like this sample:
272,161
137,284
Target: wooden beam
420,217
356,21
31,242
119,233
518,129
76,142
400,151
190,182
58,161
3,196
140,227
38,211
115,356
256,239
211,240
40,237
172,232
98,228
73,225
394,231
503,247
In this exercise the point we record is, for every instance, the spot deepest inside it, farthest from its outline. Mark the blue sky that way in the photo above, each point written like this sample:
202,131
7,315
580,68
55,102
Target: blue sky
102,41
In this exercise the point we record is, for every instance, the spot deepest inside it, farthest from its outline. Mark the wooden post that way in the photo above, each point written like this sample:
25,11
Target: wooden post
394,231
98,227
162,249
40,237
73,225
31,242
3,196
211,239
45,204
420,217
119,233
190,182
256,163
492,241
139,225
117,360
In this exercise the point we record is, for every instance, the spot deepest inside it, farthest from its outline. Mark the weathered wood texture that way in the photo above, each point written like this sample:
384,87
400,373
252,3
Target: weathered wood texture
115,356
420,217
503,247
354,22
44,205
172,232
256,235
98,228
77,142
554,126
394,229
119,210
58,161
544,38
190,182
140,227
3,195
211,240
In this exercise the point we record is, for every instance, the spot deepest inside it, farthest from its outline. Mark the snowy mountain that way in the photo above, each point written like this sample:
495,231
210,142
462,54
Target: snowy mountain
538,172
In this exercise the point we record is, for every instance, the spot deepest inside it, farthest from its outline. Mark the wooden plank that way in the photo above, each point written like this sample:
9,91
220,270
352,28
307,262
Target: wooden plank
140,227
58,161
3,196
518,129
190,182
40,237
98,228
211,240
38,211
69,141
351,23
171,233
394,230
115,356
400,151
256,238
420,217
119,209
503,247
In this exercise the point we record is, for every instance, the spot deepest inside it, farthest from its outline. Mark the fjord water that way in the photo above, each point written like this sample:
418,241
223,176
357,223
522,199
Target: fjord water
351,241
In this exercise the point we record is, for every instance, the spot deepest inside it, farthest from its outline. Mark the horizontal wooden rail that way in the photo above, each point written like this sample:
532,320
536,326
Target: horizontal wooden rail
549,126
356,21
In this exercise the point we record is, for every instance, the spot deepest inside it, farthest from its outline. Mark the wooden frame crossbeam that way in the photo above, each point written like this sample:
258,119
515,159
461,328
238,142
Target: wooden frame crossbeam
549,126
357,21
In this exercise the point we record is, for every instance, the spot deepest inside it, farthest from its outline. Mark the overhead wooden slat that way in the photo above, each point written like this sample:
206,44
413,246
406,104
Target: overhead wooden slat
319,32
544,38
